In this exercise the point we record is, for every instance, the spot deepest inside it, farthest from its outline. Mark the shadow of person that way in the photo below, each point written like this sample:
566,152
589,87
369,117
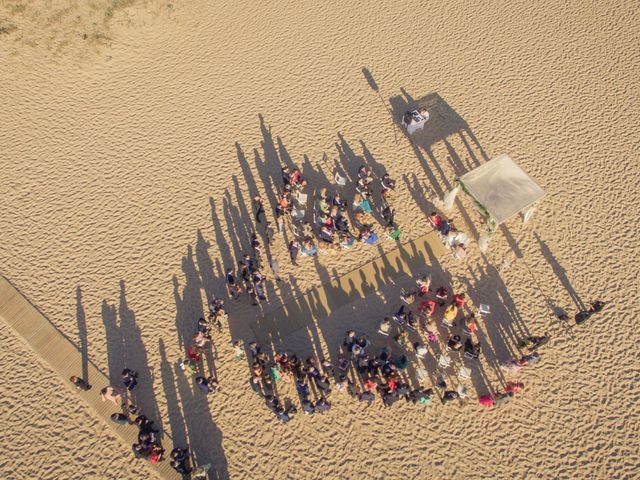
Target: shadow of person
370,80
136,358
560,272
190,419
209,283
420,193
191,406
81,320
174,410
222,242
189,304
115,345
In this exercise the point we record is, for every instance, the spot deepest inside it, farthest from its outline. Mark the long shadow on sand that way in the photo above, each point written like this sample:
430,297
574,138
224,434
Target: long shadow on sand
190,416
81,319
126,349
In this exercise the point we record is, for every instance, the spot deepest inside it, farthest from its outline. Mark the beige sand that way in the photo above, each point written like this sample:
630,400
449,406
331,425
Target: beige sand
127,170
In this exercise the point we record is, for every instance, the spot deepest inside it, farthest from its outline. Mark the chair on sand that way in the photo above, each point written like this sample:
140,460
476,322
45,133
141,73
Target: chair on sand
462,391
298,214
297,231
464,373
384,328
444,361
446,323
301,198
422,374
484,309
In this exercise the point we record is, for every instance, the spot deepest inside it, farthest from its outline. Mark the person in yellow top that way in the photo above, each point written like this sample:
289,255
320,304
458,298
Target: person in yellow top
451,312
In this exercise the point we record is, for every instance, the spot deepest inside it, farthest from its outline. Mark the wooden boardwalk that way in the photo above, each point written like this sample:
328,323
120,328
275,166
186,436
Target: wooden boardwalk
61,354
412,258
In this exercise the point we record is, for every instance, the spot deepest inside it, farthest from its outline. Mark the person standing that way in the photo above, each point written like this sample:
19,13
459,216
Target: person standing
275,268
112,394
449,396
270,233
129,378
294,249
584,315
259,207
245,267
80,384
258,285
234,288
203,385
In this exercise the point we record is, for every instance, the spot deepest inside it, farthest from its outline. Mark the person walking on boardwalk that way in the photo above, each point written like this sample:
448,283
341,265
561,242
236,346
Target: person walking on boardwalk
113,394
80,384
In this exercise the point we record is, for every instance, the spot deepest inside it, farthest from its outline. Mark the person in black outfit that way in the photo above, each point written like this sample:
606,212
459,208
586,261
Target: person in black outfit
80,384
389,215
584,315
129,378
449,396
259,207
179,461
294,249
367,396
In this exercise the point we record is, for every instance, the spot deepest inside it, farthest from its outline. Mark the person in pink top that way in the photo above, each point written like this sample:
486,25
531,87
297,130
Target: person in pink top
513,387
486,400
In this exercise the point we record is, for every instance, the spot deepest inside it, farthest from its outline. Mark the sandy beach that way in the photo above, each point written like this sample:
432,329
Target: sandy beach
135,134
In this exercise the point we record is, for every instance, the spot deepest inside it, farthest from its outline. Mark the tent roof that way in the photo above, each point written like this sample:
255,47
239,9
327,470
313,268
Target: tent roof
501,187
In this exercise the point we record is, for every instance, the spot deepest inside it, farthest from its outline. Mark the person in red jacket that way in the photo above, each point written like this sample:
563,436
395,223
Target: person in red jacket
460,299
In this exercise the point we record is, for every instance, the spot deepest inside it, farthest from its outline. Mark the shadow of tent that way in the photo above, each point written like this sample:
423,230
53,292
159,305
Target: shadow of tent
443,122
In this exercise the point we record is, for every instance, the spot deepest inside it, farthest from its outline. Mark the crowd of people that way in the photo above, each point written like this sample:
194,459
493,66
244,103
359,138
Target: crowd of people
363,371
149,445
310,376
316,379
201,342
414,327
332,225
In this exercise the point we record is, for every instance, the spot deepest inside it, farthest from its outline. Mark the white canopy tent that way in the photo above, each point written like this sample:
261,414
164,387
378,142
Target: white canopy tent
500,189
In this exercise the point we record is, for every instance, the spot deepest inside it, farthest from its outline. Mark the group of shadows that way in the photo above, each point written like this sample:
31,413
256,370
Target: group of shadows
189,418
